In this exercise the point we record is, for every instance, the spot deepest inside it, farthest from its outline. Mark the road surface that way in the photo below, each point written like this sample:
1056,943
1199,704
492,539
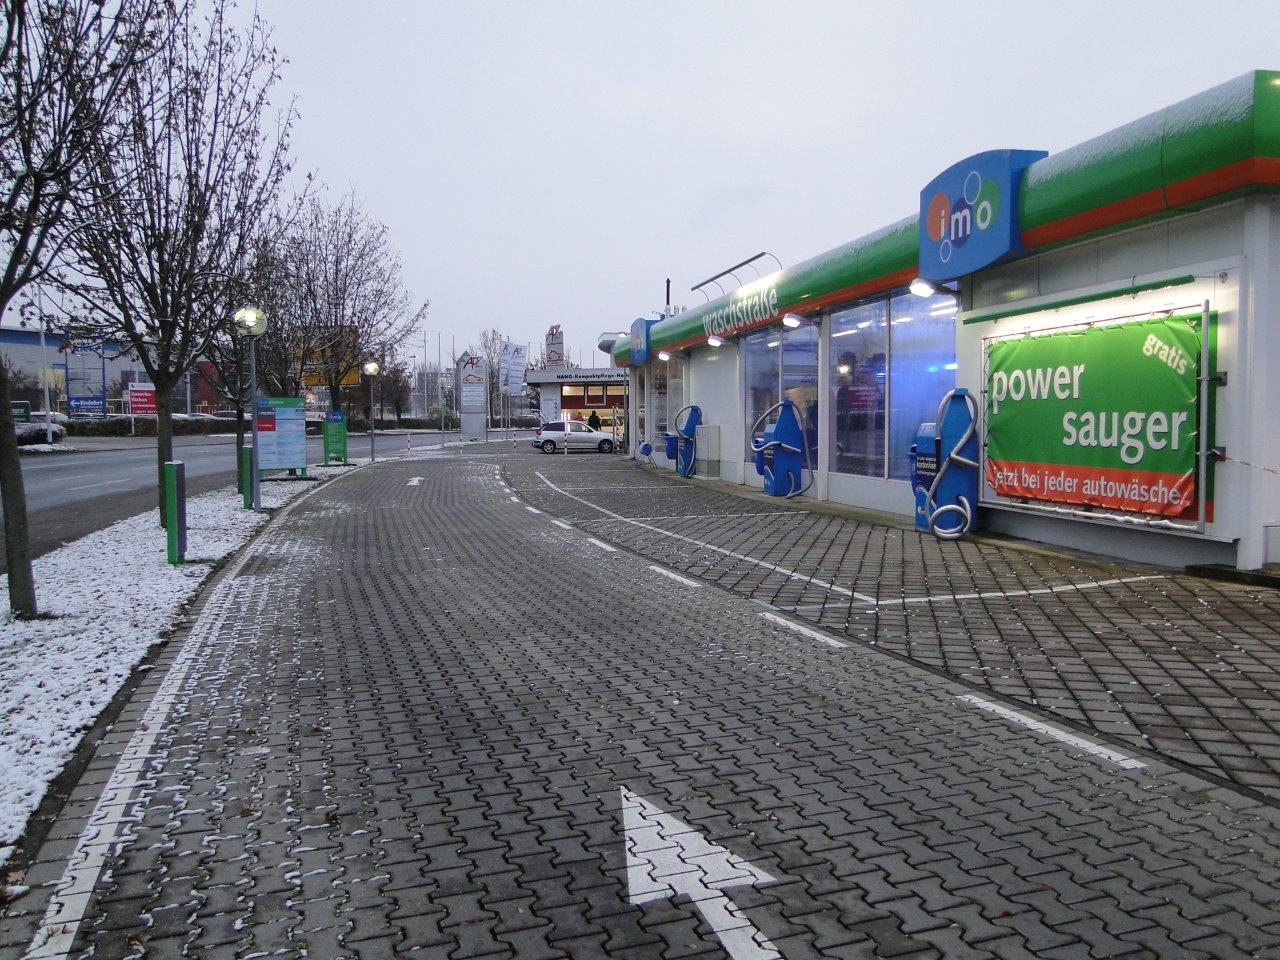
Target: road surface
444,708
72,494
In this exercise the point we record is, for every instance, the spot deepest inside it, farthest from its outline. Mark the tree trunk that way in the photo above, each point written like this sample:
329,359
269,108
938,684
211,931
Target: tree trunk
164,442
17,548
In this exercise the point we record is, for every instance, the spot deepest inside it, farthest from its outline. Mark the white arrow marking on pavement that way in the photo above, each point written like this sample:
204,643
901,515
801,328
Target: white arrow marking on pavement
668,858
414,482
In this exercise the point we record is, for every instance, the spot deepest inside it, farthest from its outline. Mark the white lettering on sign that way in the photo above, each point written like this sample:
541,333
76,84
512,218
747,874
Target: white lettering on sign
1174,356
1128,431
743,312
1036,384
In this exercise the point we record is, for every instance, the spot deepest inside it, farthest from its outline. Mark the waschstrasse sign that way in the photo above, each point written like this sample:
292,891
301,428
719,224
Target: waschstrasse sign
1104,416
752,306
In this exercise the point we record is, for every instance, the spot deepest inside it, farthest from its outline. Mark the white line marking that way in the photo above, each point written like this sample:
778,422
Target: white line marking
1000,594
697,516
561,523
667,858
90,486
515,499
602,545
708,546
67,906
674,576
811,634
674,488
414,482
1119,759
532,509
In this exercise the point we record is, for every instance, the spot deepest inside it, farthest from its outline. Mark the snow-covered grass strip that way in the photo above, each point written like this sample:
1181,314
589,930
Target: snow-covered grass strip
34,448
106,599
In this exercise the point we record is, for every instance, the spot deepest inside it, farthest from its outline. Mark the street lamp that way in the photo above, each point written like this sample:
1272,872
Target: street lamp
252,322
371,370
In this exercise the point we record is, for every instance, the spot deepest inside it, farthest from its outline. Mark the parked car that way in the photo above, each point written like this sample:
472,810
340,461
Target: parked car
551,437
40,416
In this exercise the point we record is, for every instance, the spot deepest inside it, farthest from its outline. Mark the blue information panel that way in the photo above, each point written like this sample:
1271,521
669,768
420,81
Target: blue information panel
282,433
969,213
640,340
88,406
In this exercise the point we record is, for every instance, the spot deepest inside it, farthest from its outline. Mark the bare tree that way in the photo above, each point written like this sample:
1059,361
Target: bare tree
180,199
491,349
352,305
287,353
64,65
228,356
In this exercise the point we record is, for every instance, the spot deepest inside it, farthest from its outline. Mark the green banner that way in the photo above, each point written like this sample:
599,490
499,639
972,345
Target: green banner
1104,416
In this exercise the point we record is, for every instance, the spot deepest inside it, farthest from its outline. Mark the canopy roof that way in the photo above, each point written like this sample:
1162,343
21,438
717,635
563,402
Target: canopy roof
1207,149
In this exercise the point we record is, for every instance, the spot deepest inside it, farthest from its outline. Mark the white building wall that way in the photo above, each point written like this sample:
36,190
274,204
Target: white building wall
715,385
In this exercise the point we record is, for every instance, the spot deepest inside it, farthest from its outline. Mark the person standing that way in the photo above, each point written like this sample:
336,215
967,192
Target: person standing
593,421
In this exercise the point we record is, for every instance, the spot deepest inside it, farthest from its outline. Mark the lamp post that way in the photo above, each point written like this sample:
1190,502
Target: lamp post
371,370
252,322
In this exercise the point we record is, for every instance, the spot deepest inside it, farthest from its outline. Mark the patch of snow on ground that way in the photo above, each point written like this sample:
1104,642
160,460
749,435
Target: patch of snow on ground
106,598
48,448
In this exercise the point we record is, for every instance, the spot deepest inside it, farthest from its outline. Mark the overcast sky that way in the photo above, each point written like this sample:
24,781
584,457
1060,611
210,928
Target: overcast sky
548,162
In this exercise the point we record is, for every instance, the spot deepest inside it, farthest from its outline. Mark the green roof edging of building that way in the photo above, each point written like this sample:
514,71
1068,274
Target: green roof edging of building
1209,147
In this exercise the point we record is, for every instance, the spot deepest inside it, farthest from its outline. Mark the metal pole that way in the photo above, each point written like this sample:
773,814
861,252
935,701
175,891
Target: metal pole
253,420
440,382
373,456
44,375
1206,384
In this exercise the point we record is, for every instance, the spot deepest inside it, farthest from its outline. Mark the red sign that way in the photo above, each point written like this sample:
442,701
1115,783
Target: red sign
142,399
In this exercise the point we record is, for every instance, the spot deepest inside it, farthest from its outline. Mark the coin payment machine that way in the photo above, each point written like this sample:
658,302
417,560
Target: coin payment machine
944,468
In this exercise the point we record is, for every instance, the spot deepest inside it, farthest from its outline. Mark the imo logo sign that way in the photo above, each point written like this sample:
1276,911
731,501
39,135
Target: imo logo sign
968,213
951,224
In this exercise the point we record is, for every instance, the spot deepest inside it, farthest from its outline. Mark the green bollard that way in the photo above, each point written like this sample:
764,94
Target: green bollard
246,477
175,509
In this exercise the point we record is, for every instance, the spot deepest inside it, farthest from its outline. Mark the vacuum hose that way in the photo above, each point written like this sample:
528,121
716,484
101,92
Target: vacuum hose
693,468
760,446
962,506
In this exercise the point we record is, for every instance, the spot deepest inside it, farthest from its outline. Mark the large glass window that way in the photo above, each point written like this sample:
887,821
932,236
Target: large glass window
761,357
859,354
676,392
658,388
922,368
800,379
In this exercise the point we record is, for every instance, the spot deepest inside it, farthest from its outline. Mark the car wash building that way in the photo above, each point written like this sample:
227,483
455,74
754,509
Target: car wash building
1106,318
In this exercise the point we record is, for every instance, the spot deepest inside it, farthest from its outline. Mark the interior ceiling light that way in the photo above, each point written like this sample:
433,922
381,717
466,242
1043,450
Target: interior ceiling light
714,341
663,355
791,321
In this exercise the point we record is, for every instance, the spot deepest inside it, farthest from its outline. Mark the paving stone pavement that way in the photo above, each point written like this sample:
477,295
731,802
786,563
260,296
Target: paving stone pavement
1183,666
426,721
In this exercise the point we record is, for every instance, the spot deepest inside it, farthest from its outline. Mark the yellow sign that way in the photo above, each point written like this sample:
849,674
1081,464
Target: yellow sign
349,379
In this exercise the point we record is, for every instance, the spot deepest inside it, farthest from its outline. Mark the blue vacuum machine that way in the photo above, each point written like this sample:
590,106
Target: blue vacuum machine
686,452
782,454
944,468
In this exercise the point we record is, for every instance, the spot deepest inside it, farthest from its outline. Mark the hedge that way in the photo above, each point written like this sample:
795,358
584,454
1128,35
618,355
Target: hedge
146,427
